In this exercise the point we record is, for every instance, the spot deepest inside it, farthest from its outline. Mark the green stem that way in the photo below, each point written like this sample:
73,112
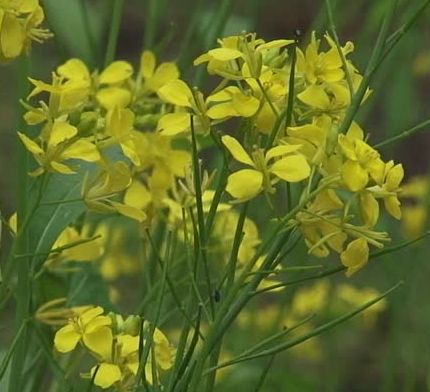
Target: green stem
333,31
317,331
200,216
377,54
115,25
21,244
286,114
403,135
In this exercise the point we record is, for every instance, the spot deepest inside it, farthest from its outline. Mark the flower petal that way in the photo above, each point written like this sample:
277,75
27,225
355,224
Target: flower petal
116,72
74,69
237,150
66,339
292,168
147,64
315,96
174,123
107,375
245,184
355,256
82,149
99,341
354,176
177,93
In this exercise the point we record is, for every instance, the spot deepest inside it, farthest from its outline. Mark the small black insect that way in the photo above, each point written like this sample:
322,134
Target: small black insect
217,295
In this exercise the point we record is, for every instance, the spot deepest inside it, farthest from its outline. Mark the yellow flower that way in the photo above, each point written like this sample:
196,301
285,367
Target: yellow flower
248,183
187,102
239,52
19,21
154,77
87,251
61,145
331,99
361,161
120,365
324,66
119,126
355,256
113,179
389,189
89,327
232,102
113,91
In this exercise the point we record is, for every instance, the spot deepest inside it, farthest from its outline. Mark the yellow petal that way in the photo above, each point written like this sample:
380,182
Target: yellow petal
237,150
355,256
30,145
12,36
354,176
222,110
116,72
99,341
292,168
129,149
34,117
90,314
277,43
164,74
369,209
392,205
245,105
97,322
147,64
394,177
113,96
66,339
107,375
74,69
129,344
61,168
201,59
137,195
224,54
315,96
281,150
119,123
129,211
176,92
82,149
174,123
60,132
245,184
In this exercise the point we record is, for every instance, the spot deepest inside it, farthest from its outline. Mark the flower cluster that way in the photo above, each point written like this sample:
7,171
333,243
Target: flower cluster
131,133
19,25
114,343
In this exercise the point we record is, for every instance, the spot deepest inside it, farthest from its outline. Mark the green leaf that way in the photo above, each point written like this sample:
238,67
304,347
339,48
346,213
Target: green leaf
88,287
50,220
78,26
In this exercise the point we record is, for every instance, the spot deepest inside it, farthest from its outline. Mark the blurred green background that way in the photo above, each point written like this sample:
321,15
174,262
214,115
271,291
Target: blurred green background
395,354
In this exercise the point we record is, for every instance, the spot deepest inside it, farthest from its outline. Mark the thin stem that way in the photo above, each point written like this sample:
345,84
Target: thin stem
287,114
377,53
403,135
21,244
317,331
200,215
333,31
